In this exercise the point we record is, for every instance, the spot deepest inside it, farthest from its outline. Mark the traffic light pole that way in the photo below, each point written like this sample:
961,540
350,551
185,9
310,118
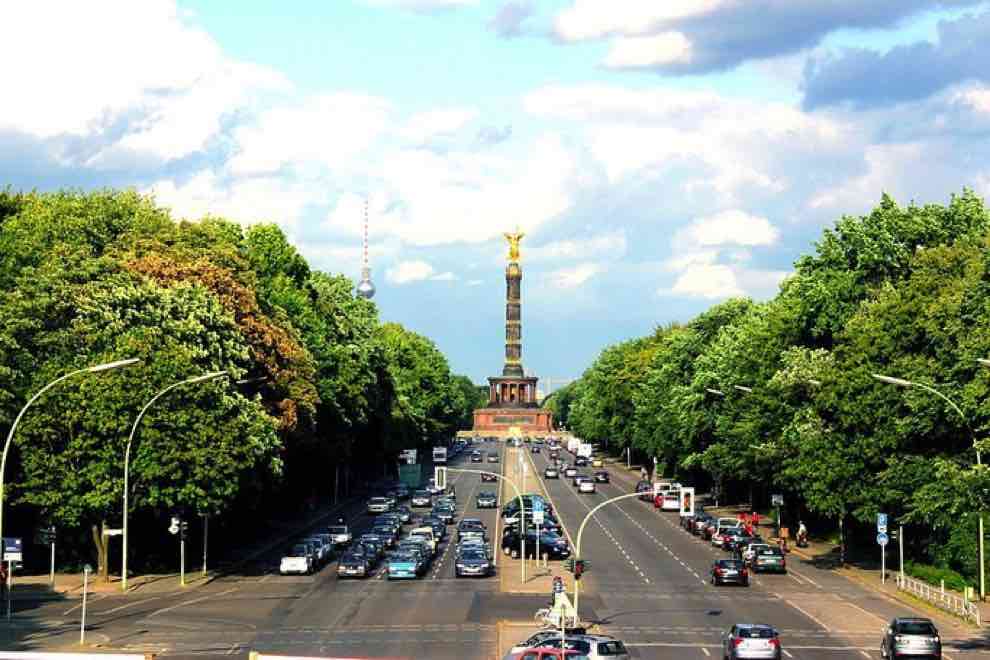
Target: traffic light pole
522,512
577,548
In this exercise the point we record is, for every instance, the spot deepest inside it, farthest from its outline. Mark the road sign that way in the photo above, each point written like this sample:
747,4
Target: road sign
882,539
881,523
12,549
537,517
112,532
776,500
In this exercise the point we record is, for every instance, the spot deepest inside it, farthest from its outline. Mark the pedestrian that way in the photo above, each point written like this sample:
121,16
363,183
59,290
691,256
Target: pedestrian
3,580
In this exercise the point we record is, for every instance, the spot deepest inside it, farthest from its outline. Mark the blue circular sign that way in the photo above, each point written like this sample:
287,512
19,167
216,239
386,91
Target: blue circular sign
882,538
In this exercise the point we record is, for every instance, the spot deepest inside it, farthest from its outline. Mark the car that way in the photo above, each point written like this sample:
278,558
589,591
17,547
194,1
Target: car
403,566
422,498
404,514
317,550
551,545
551,472
493,457
386,534
428,536
486,500
472,563
340,534
753,549
378,505
596,463
700,522
535,449
587,486
645,490
354,563
729,570
732,537
770,559
472,545
476,457
299,560
486,477
751,640
593,647
548,653
581,461
444,513
721,525
668,500
601,477
911,636
578,478
570,471
419,548
439,527
375,543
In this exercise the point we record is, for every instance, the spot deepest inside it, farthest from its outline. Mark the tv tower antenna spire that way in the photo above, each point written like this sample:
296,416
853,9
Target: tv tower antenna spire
365,288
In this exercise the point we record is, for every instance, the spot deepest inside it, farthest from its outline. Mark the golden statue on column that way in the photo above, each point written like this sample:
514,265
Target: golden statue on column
514,240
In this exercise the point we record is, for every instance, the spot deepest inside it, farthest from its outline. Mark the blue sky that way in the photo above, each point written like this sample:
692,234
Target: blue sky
660,156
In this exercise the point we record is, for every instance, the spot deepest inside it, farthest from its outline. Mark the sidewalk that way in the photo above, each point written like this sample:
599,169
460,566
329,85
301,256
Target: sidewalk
70,585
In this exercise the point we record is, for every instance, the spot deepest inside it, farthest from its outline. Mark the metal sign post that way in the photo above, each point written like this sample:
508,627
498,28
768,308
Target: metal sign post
87,569
882,540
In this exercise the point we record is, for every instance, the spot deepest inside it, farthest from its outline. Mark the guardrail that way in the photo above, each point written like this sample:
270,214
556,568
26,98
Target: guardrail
940,598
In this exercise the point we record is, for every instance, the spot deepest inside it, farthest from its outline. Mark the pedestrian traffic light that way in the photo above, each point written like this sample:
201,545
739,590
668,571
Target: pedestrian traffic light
578,568
570,565
174,527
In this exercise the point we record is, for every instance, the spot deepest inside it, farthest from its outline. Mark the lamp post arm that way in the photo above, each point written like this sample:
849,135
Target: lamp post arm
952,404
13,428
577,545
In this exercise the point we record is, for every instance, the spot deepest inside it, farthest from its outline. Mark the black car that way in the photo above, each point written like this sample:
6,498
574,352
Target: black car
422,498
444,513
580,461
354,563
486,500
730,570
601,477
488,477
474,564
535,449
439,527
645,490
551,545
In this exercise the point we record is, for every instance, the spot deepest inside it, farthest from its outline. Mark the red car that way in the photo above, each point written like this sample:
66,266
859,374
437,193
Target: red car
548,653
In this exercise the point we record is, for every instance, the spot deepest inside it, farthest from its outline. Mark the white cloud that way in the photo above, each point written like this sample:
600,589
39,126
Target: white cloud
707,281
409,271
593,19
444,122
732,227
421,5
329,129
568,278
646,52
132,79
475,282
603,246
444,277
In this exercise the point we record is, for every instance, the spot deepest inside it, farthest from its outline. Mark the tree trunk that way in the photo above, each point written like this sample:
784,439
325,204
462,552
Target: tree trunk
102,550
842,540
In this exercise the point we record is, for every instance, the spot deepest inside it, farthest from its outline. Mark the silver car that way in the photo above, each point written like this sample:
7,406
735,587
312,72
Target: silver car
751,640
911,636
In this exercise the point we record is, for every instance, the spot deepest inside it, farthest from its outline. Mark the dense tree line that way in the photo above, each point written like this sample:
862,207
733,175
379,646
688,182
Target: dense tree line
903,291
331,396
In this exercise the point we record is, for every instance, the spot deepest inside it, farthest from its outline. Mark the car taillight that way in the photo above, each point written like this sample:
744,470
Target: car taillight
775,642
737,641
718,571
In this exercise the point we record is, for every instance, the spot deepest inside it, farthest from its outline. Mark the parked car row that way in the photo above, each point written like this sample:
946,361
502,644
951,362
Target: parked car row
311,553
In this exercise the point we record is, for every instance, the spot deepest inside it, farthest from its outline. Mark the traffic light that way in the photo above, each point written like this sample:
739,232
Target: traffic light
440,477
578,568
183,528
174,527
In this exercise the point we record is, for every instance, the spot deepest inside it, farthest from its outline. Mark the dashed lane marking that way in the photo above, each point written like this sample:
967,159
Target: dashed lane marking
190,602
865,654
89,599
805,612
787,653
705,651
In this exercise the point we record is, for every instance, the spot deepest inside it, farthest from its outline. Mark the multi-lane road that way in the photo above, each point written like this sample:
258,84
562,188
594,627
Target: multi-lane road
647,584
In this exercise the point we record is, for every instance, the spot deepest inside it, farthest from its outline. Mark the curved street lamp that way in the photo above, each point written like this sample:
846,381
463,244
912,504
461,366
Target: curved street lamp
106,366
127,453
902,382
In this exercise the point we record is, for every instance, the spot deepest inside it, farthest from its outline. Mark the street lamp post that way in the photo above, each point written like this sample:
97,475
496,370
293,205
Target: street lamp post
106,366
522,513
127,455
577,545
901,382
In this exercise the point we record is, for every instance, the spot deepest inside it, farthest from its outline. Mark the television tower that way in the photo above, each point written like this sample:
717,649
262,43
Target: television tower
365,288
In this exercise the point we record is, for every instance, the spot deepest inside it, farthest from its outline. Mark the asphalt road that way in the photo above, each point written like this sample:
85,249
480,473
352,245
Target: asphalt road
647,584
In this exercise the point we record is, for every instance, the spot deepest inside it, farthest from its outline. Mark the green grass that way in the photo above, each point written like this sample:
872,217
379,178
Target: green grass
934,575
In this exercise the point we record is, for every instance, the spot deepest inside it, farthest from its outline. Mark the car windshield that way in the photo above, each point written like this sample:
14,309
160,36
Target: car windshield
611,647
757,633
730,563
403,557
338,530
771,552
916,628
378,500
473,556
353,557
298,550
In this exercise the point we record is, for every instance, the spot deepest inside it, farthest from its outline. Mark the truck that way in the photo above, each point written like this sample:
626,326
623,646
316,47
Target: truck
584,449
573,444
440,455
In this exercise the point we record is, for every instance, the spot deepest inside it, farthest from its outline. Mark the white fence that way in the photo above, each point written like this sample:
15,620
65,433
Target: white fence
940,598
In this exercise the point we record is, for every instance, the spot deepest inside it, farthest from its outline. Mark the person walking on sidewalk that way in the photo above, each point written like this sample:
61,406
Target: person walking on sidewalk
3,581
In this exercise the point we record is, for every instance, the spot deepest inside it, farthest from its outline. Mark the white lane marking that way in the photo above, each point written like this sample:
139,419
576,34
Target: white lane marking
190,602
124,607
803,577
706,652
804,612
864,611
787,653
865,654
91,598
